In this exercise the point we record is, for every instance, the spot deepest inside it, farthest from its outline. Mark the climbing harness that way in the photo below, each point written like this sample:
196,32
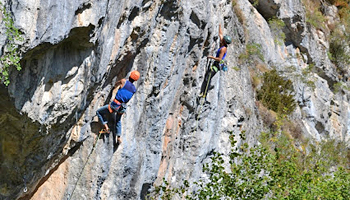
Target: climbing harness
223,65
121,109
81,173
111,110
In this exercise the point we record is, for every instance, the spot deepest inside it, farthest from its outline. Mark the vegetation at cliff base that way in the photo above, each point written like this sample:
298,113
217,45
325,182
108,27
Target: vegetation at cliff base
11,56
275,169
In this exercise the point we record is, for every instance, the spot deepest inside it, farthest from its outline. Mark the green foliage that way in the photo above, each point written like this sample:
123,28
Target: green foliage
299,174
255,3
340,39
338,50
305,77
337,87
11,55
252,52
310,68
316,19
234,3
236,68
276,26
168,193
313,14
275,93
276,169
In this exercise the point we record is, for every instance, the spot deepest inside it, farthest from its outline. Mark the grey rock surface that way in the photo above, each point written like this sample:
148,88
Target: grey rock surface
74,52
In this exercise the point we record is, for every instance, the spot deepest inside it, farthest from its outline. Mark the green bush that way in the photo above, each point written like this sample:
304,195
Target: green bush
11,54
276,93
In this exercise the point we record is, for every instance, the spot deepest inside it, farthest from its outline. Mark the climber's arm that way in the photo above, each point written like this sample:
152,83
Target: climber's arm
120,83
221,34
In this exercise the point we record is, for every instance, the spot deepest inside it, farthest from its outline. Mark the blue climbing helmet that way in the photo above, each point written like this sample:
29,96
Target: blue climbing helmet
227,39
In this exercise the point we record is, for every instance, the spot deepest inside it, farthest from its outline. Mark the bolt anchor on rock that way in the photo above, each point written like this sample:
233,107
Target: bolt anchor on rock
25,189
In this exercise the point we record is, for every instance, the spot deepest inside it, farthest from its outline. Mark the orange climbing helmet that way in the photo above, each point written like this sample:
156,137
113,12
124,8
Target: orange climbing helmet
135,75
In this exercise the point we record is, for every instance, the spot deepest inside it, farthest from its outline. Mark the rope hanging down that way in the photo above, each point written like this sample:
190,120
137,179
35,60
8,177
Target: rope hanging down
81,173
203,97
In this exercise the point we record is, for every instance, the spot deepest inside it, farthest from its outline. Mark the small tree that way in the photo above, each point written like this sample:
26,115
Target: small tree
11,55
276,93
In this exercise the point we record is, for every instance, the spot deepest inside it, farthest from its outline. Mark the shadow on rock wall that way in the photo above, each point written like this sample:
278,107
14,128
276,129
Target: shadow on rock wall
28,147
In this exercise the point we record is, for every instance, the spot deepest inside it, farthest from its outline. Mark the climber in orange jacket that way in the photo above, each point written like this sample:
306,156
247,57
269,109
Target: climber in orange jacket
220,56
126,90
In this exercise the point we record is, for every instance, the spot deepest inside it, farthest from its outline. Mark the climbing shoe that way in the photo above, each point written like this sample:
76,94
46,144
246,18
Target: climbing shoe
119,140
104,131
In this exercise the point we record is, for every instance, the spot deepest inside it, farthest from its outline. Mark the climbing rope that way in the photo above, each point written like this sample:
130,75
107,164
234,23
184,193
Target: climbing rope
81,173
204,96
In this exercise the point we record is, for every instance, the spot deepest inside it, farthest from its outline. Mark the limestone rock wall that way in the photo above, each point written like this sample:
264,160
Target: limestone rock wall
74,52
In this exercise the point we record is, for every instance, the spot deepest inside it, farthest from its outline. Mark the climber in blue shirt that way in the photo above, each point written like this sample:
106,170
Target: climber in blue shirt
126,90
220,55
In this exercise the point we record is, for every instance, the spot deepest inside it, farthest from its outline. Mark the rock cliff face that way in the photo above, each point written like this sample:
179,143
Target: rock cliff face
74,52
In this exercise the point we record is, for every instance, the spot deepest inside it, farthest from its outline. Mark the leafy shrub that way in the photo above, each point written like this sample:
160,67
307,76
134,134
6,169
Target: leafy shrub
276,93
11,55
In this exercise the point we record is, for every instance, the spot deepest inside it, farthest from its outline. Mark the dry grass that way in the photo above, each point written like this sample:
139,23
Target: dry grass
241,17
292,128
262,67
238,12
254,76
268,116
340,3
